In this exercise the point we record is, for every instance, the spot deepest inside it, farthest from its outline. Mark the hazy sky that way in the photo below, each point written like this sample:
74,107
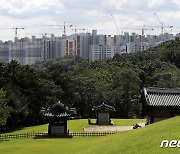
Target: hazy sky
89,14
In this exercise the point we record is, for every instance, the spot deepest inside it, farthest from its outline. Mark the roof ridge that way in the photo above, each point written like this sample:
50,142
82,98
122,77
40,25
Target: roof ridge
162,97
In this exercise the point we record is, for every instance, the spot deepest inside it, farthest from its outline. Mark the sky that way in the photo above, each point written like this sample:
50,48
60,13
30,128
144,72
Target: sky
33,15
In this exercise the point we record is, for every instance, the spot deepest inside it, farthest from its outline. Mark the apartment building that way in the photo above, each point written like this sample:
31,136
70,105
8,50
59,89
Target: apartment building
99,52
91,46
4,50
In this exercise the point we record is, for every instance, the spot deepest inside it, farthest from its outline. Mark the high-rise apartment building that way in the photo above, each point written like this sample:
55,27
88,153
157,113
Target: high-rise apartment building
91,46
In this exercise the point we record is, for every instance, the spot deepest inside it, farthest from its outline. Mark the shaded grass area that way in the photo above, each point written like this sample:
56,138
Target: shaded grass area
40,128
127,122
76,125
144,140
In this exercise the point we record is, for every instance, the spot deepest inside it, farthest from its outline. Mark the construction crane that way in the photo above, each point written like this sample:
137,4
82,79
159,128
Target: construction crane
76,29
16,29
162,24
142,29
115,24
45,34
62,26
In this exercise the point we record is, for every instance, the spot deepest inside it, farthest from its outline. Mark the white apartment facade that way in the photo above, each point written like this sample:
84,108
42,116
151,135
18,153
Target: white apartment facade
91,46
99,52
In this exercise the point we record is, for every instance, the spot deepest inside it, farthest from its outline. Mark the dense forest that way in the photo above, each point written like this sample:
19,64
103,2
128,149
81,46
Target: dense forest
25,90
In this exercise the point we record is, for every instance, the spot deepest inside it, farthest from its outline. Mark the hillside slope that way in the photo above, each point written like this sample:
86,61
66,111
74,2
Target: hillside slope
143,140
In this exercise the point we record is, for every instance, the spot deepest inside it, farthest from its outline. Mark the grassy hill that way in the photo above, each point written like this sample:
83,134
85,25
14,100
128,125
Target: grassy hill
77,125
143,140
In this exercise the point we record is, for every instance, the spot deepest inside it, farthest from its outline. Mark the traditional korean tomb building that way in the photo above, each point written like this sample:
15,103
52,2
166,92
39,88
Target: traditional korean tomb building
160,103
58,115
103,113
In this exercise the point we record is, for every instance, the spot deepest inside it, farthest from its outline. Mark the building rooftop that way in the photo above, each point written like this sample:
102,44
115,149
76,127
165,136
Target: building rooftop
162,96
59,110
103,106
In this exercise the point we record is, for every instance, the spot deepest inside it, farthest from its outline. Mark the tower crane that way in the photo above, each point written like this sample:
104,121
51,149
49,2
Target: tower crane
43,34
62,26
142,29
162,24
76,29
16,30
115,24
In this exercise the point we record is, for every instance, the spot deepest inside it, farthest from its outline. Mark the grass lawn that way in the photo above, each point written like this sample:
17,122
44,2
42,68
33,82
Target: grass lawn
77,125
127,122
40,128
144,140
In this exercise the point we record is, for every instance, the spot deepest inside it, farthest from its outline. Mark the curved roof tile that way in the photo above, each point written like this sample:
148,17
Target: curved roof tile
162,96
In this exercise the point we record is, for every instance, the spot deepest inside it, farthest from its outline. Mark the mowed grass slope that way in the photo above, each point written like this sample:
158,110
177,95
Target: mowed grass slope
77,125
143,140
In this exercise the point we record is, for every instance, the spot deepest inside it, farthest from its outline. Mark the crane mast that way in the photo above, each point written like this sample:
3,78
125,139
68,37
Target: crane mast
64,26
142,29
162,24
115,24
16,30
76,29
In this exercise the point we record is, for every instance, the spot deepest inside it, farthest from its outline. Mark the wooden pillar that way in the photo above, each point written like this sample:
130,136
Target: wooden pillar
97,121
151,115
49,128
65,126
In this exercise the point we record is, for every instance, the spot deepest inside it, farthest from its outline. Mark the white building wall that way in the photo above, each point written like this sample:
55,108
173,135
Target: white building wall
95,52
109,40
131,47
109,51
98,52
4,51
100,40
121,49
89,46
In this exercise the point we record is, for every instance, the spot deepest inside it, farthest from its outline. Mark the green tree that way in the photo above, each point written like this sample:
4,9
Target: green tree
126,89
167,77
4,109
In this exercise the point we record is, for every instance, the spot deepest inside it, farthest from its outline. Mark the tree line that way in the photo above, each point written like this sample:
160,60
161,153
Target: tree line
25,90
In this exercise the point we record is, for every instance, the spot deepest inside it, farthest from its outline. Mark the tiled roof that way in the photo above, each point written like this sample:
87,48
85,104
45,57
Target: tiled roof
102,107
49,114
162,96
59,110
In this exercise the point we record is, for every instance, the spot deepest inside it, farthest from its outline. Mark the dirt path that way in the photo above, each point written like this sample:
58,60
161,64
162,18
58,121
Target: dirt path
107,128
